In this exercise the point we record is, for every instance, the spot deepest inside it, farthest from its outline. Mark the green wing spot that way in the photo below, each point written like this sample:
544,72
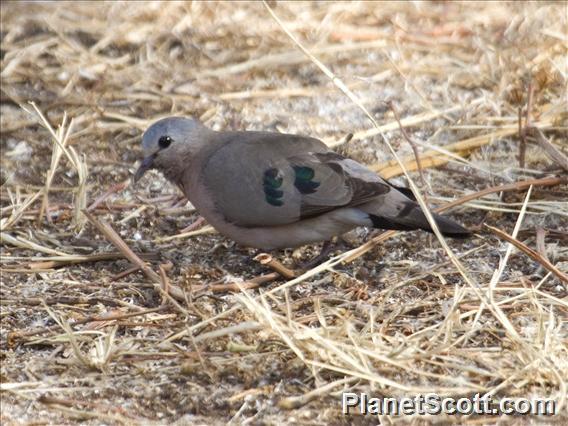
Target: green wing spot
303,181
272,178
274,201
271,181
304,173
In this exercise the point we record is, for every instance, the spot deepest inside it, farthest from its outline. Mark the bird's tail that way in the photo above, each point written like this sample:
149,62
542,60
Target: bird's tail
447,227
400,213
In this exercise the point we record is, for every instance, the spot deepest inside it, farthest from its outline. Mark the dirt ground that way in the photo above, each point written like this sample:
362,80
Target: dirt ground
205,334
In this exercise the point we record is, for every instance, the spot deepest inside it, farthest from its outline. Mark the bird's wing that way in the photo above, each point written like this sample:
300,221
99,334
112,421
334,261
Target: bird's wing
328,180
268,179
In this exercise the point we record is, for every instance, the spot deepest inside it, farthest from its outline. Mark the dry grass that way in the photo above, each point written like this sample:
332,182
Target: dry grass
91,332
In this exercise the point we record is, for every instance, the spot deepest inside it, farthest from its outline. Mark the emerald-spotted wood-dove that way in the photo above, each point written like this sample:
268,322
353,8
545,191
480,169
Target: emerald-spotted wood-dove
272,190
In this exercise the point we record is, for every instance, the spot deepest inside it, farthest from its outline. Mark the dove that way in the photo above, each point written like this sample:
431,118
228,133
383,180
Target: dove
273,190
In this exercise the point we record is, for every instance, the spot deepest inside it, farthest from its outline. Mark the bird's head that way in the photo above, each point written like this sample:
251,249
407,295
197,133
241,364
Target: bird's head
168,143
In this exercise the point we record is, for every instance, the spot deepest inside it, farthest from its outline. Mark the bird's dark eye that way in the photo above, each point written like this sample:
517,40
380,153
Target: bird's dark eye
165,141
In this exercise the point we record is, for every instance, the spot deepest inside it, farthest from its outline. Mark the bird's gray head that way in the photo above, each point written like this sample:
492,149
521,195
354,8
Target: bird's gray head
167,144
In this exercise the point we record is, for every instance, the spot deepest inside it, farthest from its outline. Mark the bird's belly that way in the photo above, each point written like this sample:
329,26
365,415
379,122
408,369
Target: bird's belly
306,231
313,230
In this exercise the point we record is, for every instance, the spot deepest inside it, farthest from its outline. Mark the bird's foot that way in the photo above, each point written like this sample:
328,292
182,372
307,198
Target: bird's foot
320,258
199,222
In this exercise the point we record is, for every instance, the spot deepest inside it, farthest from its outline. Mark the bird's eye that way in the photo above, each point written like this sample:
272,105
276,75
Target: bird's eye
165,141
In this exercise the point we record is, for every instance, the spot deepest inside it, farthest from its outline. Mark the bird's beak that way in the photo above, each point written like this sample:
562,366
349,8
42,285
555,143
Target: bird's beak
146,165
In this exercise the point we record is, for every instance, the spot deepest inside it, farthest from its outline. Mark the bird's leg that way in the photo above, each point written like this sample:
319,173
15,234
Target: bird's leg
199,222
322,256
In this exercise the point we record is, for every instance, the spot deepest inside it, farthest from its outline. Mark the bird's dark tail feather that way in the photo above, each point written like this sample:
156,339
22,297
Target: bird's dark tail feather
406,191
415,219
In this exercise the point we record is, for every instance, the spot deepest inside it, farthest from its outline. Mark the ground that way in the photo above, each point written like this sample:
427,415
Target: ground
85,337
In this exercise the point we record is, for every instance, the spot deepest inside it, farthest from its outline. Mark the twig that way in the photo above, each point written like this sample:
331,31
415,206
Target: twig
496,277
540,243
434,158
60,139
111,235
164,279
204,230
132,215
113,189
116,317
78,162
267,260
65,300
26,244
522,140
414,120
529,105
75,260
517,186
522,134
553,153
236,287
165,290
529,252
294,402
17,213
228,331
96,410
125,273
17,335
289,58
390,104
